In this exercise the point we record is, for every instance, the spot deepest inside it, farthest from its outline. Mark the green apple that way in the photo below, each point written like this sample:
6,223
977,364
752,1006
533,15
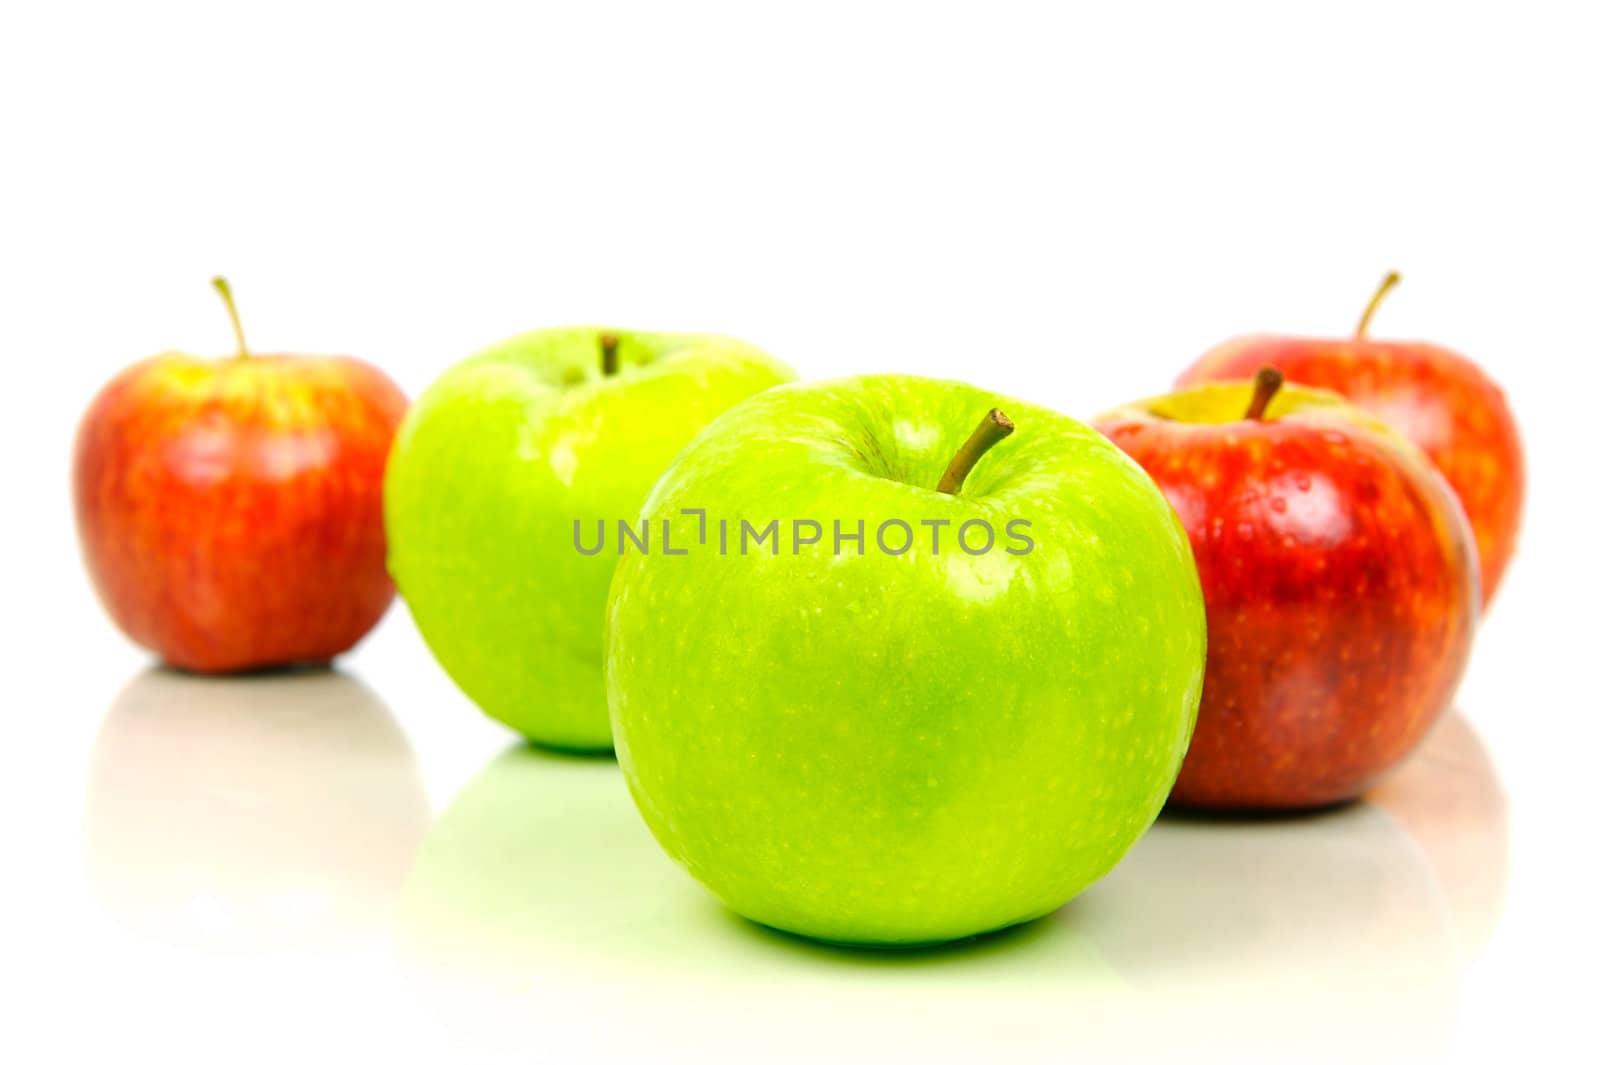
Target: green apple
540,863
895,740
491,470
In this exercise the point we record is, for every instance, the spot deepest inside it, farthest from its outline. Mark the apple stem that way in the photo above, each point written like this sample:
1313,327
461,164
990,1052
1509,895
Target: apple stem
1390,280
221,285
994,428
609,362
1268,381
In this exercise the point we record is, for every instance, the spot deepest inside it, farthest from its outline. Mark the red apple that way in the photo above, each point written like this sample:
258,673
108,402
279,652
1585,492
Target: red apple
1438,399
231,511
1340,583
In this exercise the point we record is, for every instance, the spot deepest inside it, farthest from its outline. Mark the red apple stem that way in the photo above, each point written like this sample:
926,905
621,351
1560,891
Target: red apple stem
1268,381
994,428
221,285
1390,280
610,363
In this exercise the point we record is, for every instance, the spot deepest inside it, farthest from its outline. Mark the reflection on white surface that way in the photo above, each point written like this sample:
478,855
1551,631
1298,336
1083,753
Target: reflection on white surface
539,895
269,818
1450,803
268,813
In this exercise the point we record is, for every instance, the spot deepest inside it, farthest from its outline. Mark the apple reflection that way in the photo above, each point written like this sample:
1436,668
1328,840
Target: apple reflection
540,882
540,896
265,813
1449,801
1341,933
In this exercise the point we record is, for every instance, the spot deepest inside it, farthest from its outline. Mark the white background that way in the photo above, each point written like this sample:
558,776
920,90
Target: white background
1065,205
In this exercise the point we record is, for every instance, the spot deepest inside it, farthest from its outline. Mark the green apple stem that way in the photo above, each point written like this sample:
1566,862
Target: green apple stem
609,362
994,428
1390,280
1268,381
221,285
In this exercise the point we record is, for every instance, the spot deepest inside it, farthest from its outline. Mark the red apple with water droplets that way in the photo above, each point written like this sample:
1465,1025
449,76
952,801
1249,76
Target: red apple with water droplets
1436,398
1340,582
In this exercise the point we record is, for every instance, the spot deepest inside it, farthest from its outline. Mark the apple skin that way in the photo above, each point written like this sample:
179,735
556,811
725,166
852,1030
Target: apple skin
1340,582
230,511
497,460
893,750
1439,400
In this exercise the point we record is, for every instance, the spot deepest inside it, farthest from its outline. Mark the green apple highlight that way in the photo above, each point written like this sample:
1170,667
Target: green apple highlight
865,744
490,470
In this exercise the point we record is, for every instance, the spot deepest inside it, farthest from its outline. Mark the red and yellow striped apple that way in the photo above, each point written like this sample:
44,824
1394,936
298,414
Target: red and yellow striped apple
231,511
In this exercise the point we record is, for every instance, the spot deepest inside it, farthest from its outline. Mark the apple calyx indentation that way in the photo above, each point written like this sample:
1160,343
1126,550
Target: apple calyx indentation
994,428
1390,280
220,283
1267,382
610,362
